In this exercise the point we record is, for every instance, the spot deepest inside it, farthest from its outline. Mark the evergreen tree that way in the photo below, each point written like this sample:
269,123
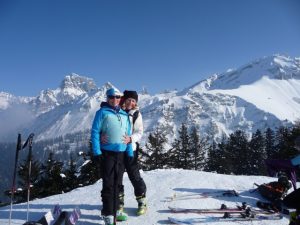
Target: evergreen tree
224,160
71,181
284,143
89,171
198,148
52,180
270,143
173,160
217,160
182,150
154,157
213,163
238,153
23,172
294,134
258,154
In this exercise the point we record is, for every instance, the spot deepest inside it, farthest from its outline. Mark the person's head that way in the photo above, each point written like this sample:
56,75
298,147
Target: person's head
297,143
113,96
283,180
130,99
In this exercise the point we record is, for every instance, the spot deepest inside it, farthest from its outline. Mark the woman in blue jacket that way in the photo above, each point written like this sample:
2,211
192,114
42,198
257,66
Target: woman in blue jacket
110,120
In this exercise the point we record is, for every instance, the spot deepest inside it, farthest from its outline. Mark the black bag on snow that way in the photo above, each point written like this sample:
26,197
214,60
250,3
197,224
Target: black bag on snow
275,190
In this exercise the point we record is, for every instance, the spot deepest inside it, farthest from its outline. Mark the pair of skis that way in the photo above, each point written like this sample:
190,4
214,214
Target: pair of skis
57,217
239,213
244,208
235,218
215,194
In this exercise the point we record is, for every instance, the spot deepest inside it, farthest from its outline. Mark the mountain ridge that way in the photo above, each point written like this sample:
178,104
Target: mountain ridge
217,105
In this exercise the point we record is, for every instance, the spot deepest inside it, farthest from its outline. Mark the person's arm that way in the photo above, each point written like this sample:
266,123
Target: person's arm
95,133
296,160
138,129
129,149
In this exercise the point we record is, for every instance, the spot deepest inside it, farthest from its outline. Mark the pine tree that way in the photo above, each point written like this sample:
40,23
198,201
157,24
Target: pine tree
182,152
285,146
294,134
223,159
238,153
198,147
258,154
52,180
71,181
89,171
34,179
154,157
213,159
269,142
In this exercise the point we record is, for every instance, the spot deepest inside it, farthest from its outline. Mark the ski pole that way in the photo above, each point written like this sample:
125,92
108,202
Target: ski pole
29,142
13,187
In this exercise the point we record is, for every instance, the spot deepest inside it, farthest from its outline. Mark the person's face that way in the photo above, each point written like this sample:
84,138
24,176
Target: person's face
130,103
114,100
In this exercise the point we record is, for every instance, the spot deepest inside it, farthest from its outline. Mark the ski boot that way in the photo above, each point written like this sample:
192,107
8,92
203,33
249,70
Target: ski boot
121,215
295,218
108,220
142,205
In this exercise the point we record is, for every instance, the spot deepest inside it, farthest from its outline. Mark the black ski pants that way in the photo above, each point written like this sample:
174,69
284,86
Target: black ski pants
113,169
133,170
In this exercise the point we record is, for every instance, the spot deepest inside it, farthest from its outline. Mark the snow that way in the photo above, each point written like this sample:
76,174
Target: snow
271,95
161,184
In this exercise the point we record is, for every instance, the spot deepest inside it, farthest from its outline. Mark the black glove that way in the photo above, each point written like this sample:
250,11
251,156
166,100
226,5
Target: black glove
98,160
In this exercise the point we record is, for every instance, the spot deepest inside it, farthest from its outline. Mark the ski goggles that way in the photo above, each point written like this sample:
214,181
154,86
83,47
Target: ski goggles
114,96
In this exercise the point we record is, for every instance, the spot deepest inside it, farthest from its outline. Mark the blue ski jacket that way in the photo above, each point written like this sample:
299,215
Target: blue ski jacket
114,123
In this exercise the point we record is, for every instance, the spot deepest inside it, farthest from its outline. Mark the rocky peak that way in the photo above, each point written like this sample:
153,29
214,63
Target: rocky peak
81,83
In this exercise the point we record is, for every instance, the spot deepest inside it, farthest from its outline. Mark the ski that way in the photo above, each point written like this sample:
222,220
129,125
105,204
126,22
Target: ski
234,218
221,193
223,209
202,211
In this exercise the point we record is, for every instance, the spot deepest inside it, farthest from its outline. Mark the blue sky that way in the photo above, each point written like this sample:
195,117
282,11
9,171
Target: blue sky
159,44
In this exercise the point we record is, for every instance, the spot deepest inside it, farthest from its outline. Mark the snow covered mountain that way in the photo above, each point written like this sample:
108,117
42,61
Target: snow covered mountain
260,94
161,184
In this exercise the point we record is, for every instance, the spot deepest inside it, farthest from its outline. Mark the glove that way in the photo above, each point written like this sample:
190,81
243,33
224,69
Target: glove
98,161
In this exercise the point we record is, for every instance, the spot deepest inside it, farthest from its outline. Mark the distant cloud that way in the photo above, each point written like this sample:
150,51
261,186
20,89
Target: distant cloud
13,120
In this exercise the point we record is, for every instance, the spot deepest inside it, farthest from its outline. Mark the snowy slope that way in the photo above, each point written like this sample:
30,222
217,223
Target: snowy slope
160,185
281,97
271,83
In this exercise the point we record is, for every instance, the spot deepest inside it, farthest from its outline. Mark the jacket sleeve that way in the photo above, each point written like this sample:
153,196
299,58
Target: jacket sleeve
138,129
296,160
95,133
129,149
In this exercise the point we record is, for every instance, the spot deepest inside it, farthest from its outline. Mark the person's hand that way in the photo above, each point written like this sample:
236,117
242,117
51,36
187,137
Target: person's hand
126,139
98,160
104,139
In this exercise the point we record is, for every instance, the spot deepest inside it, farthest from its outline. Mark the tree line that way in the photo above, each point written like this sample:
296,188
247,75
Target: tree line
237,154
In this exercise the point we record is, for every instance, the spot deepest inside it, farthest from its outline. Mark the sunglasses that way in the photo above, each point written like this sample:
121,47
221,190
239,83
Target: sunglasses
112,97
